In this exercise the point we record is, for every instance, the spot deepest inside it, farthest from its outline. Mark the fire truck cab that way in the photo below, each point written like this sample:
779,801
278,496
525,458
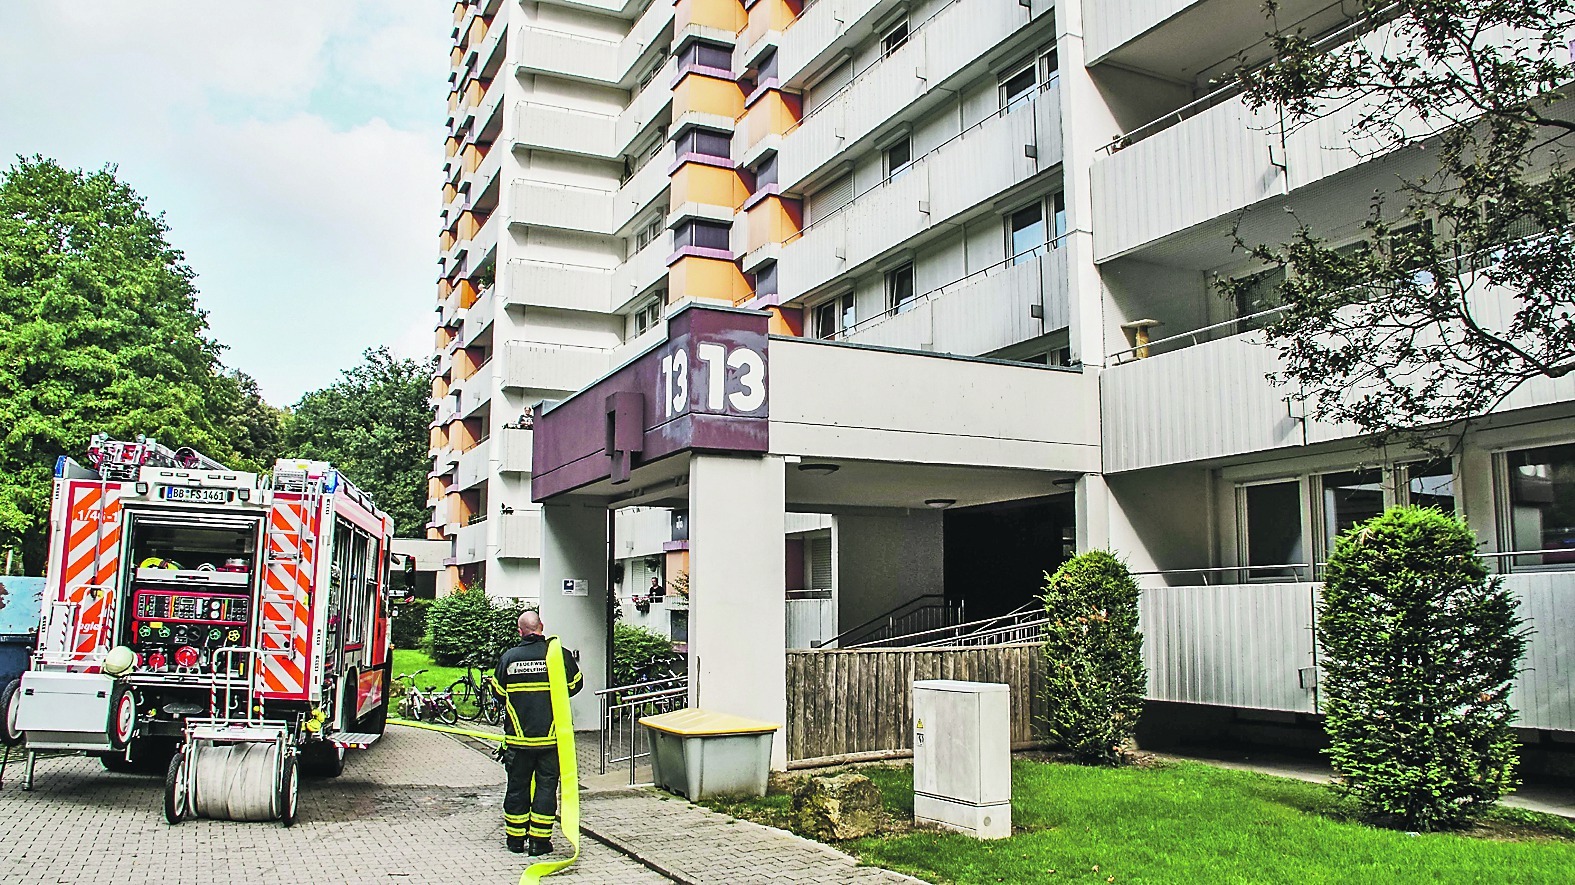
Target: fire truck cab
211,621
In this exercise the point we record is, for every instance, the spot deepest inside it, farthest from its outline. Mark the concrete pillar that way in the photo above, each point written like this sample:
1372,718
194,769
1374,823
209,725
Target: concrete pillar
1093,513
737,604
574,548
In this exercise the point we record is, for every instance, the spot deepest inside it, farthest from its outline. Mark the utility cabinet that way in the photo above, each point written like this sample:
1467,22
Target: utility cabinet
962,756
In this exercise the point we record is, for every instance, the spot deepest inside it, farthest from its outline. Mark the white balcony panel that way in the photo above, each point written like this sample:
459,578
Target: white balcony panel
980,314
641,531
1208,401
620,8
639,344
516,448
479,317
1109,25
561,206
537,366
1543,692
470,543
476,391
1236,646
642,271
642,188
651,102
957,36
534,283
971,169
521,536
645,31
567,130
475,466
813,38
562,54
810,622
485,242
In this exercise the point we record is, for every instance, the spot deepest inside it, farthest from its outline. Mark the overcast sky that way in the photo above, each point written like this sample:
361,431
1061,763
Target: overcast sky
294,147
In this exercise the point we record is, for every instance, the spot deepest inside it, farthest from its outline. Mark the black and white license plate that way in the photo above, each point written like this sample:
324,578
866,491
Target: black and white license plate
201,496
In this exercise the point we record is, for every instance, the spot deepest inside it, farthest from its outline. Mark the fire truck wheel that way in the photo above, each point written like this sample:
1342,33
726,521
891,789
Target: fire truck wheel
9,734
175,799
122,716
323,759
289,788
117,763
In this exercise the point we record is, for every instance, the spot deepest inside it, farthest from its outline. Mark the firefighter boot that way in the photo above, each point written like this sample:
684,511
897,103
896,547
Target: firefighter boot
517,844
538,847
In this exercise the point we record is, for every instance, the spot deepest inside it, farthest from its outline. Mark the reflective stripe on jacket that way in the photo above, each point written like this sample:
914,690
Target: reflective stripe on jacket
522,677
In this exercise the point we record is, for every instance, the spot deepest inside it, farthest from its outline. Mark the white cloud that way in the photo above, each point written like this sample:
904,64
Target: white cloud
264,131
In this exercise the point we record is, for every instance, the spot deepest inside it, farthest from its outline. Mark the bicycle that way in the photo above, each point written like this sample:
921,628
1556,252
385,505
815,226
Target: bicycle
476,695
418,703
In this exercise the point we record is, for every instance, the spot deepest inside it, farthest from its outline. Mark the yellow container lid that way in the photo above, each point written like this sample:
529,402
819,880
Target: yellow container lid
695,723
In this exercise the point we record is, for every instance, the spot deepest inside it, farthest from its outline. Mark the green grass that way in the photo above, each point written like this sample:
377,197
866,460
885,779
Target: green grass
1194,823
409,660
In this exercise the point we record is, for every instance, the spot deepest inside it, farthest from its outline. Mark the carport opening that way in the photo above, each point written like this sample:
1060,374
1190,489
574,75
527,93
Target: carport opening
997,554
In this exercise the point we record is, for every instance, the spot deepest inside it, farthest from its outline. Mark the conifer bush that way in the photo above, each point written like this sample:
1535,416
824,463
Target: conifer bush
1418,649
1095,677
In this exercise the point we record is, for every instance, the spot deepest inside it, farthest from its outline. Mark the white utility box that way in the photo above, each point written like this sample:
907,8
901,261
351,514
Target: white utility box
962,756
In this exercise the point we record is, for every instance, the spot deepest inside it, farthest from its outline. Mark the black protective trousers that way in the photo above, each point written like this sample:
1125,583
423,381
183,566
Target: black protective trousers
530,804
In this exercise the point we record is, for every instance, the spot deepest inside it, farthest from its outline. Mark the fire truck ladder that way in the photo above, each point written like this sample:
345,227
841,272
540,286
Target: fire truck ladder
285,545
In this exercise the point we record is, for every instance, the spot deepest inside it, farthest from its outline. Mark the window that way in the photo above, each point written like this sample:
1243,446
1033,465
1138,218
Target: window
766,173
1017,88
1428,484
651,71
899,157
1060,356
707,55
648,233
830,198
1542,504
1049,66
1270,520
895,38
899,288
706,142
1349,497
1025,233
833,318
1058,216
766,279
768,66
1256,293
702,234
649,315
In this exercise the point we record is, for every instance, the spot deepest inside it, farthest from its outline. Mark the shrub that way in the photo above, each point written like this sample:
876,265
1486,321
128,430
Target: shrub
1094,657
409,628
468,625
638,653
1419,647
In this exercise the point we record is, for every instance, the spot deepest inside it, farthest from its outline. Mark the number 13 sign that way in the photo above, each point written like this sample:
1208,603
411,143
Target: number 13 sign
724,380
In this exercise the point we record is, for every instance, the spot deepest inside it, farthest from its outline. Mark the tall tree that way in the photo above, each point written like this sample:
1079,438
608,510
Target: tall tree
99,331
372,424
1464,291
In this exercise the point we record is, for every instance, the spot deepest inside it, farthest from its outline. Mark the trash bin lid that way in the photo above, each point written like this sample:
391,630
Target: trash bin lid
694,723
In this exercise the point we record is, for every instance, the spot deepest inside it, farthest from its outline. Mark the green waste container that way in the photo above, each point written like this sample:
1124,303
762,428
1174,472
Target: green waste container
699,754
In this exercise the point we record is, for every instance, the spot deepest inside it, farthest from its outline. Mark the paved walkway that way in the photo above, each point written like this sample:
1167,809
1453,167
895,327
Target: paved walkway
695,846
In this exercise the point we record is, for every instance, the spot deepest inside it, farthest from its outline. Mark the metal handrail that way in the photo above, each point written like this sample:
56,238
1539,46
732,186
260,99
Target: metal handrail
1129,353
584,38
885,617
1025,631
1028,608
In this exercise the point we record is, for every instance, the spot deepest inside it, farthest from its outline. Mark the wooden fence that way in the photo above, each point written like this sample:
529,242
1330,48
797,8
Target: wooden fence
861,701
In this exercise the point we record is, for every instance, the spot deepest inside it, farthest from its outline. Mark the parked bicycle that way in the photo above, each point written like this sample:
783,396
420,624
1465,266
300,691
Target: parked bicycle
475,697
426,703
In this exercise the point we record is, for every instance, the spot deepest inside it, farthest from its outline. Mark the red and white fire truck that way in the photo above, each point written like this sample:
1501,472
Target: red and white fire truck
235,624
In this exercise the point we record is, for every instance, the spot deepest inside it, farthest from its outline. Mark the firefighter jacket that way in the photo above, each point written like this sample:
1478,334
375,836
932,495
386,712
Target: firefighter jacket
522,678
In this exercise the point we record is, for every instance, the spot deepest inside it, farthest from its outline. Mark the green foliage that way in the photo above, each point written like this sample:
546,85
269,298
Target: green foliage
638,653
1419,649
409,628
469,625
99,331
1095,676
372,425
1395,337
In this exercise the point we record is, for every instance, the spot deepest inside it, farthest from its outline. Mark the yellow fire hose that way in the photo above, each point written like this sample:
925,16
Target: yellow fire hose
568,765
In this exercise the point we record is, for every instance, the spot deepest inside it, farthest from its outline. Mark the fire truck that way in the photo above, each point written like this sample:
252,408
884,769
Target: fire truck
234,624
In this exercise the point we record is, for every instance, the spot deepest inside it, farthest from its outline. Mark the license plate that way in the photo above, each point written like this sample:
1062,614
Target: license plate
202,496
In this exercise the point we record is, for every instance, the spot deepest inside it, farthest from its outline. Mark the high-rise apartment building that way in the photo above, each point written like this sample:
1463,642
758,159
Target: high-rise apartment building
985,235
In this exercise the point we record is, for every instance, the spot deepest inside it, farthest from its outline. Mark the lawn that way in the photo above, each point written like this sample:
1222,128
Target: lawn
409,660
1189,822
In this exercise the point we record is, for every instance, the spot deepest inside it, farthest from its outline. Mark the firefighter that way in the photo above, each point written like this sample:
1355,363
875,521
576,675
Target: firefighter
530,803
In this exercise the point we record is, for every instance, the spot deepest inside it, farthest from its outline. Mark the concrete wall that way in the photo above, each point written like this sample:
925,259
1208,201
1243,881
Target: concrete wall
884,560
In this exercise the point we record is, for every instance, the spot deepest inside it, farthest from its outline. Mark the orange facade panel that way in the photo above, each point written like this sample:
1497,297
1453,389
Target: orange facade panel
459,11
786,321
451,147
697,93
709,185
474,90
445,241
766,16
708,279
455,56
474,154
724,15
467,293
478,31
773,220
774,113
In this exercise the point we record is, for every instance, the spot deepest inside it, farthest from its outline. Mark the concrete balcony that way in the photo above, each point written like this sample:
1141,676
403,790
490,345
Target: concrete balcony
1181,39
533,365
479,317
642,271
823,30
517,457
476,391
648,183
955,37
521,535
533,283
620,8
446,459
565,130
484,244
470,543
973,168
446,407
561,206
633,49
574,56
980,313
475,466
654,101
